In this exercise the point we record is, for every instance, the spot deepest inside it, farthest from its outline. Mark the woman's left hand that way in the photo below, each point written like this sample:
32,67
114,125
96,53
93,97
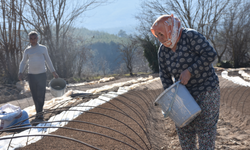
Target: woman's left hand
185,77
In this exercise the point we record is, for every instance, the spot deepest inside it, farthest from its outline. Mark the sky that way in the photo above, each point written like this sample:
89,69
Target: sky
120,14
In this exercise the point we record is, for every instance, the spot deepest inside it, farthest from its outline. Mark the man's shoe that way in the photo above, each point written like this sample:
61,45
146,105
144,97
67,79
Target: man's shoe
39,117
36,121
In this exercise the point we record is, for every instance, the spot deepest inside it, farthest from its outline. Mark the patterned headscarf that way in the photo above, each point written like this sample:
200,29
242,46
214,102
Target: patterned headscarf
170,27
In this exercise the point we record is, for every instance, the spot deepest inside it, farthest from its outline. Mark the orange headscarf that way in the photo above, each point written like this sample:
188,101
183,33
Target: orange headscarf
170,27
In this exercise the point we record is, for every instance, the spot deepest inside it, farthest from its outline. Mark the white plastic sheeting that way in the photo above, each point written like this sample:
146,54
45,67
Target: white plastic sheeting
66,100
107,87
105,79
236,80
245,75
92,82
68,115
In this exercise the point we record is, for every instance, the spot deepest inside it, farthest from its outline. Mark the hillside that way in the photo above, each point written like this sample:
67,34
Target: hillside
104,47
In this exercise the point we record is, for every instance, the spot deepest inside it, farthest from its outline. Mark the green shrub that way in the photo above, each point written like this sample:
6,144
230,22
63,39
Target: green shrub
225,64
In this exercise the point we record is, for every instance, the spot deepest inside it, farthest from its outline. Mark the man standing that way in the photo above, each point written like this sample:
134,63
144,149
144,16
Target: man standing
36,55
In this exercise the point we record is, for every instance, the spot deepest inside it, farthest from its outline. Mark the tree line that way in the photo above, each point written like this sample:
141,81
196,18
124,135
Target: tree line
80,52
73,51
53,20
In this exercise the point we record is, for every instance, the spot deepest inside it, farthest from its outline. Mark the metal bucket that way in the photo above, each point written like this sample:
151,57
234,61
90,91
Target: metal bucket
178,104
57,87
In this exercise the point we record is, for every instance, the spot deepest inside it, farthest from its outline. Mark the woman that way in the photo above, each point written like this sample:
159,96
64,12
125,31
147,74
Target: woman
186,55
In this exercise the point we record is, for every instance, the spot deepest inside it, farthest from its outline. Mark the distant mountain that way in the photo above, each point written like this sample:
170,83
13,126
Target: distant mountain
115,30
98,36
104,46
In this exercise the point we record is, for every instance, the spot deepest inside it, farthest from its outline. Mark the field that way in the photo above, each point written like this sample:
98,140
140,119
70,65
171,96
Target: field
131,121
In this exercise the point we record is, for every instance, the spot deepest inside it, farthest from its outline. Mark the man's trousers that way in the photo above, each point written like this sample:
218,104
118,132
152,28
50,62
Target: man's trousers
37,83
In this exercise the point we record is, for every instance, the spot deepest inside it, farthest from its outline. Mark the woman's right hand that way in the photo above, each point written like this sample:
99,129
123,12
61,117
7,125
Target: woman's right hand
185,77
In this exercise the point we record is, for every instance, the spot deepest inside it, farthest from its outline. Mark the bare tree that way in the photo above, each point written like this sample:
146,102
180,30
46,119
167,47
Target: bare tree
53,19
236,30
220,44
201,15
76,52
90,69
122,69
128,50
103,64
140,62
82,57
11,42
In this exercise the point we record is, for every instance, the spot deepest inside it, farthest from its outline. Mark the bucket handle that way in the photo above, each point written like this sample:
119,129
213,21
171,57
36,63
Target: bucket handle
172,102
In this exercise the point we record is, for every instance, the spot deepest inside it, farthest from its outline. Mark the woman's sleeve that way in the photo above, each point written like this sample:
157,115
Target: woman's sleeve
206,52
164,74
48,61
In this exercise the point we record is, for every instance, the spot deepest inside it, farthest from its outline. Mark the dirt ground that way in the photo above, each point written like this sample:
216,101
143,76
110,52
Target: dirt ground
131,121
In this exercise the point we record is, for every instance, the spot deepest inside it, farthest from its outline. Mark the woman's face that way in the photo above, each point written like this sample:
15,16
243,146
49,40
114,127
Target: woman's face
161,37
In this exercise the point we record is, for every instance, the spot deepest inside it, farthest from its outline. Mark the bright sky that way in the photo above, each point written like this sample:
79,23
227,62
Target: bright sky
120,14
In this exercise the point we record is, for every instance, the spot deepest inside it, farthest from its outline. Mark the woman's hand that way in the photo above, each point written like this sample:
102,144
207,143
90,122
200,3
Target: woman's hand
185,77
